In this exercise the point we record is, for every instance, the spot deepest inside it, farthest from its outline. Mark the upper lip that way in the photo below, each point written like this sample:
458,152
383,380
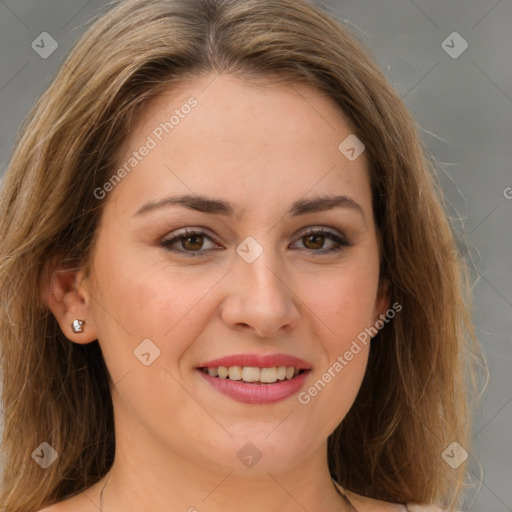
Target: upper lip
257,360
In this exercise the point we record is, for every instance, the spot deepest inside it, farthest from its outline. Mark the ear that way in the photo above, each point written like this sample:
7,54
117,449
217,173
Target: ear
63,293
383,299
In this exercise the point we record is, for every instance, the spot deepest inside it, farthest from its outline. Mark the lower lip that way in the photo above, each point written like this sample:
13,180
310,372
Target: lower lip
257,393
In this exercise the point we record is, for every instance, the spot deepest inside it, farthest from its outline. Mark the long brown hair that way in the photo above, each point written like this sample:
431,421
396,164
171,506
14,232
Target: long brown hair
417,395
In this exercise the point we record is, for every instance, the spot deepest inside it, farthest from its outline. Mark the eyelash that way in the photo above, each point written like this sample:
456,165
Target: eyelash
341,242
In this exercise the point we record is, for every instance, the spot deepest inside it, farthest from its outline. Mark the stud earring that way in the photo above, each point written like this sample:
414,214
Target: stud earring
78,325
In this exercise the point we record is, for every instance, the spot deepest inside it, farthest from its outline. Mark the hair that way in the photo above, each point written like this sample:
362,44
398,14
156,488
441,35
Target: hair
420,384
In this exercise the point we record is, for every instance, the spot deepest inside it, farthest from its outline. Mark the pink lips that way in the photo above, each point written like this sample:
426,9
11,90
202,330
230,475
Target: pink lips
259,360
252,393
257,393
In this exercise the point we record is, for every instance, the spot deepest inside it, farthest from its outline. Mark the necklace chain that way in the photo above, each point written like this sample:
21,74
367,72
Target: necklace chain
345,497
337,490
101,495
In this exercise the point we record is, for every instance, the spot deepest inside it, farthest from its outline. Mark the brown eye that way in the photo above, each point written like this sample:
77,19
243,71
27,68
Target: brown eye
314,240
195,245
190,243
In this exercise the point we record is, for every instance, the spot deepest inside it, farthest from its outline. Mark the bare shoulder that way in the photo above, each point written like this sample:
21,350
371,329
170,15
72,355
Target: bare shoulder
362,504
63,506
413,507
77,503
59,507
84,501
366,504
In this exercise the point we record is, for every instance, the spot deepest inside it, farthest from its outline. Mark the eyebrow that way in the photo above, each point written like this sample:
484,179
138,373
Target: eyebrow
220,207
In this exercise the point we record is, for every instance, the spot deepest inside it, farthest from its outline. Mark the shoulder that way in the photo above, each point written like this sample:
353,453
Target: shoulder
83,501
62,506
413,507
67,506
73,504
366,504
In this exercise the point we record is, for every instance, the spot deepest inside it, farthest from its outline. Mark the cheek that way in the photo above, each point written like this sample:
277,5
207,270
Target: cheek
139,299
343,306
345,299
345,311
342,310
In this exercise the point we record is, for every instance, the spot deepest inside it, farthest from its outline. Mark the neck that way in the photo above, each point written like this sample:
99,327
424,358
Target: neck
157,473
127,489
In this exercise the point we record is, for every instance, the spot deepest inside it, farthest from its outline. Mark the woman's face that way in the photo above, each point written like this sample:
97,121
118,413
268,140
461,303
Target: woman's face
246,280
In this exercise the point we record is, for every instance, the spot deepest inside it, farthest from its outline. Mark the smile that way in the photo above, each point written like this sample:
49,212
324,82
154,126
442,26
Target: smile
263,385
254,374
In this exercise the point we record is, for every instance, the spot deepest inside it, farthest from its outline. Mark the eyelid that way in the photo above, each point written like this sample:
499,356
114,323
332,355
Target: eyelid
183,233
340,240
322,229
336,236
188,231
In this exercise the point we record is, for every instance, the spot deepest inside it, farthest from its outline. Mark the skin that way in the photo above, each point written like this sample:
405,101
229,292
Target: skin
177,438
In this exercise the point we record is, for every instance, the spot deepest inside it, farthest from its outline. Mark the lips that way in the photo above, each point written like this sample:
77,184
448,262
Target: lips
251,393
258,360
254,392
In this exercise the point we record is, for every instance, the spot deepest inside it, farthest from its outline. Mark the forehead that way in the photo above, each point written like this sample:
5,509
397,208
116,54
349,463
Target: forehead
247,142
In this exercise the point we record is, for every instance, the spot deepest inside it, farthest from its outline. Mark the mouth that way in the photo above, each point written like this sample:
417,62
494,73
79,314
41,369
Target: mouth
255,385
253,374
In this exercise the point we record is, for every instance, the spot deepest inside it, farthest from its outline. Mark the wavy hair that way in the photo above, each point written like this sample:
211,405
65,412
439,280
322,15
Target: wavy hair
421,380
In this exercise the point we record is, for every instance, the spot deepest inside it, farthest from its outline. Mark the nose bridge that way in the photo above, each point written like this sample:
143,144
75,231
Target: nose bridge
262,277
259,269
262,300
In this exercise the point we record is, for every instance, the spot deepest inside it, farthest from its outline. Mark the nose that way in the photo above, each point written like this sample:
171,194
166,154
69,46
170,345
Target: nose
260,298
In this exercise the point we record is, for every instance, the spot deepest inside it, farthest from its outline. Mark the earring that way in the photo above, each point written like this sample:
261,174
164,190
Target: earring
78,325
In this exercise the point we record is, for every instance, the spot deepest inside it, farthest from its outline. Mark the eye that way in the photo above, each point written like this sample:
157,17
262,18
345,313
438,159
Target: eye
315,239
192,241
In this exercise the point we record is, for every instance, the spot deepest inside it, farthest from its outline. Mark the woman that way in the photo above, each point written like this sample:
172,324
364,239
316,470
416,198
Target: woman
227,276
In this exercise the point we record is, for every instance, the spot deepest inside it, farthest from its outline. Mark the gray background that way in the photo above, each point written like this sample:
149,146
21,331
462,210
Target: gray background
464,108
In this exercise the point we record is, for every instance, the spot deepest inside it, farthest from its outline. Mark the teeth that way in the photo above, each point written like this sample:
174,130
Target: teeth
269,374
281,372
250,374
253,373
235,372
